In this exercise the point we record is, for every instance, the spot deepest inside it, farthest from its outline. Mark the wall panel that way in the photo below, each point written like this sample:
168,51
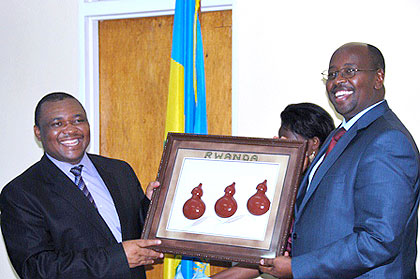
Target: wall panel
134,57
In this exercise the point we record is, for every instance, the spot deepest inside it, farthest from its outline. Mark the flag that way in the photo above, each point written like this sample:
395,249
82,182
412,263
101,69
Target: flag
170,264
186,107
190,268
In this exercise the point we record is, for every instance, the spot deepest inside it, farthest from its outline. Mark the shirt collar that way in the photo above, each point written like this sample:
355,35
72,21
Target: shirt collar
347,125
66,167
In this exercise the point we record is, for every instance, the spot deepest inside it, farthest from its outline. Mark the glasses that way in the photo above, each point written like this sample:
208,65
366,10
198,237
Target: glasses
345,73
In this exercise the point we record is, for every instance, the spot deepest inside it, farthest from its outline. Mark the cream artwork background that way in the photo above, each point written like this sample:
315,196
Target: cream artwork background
215,176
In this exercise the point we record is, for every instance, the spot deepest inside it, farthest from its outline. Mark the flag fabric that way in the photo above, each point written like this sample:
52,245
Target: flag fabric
191,269
186,107
195,91
170,264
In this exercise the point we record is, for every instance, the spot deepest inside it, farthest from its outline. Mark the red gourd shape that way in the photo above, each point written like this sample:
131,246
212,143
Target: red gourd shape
259,204
226,206
194,207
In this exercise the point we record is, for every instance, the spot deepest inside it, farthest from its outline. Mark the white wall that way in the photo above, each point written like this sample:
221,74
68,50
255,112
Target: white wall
38,54
279,50
283,46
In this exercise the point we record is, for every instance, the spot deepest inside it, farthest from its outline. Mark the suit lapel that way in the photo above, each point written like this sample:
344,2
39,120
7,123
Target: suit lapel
304,184
305,193
61,185
328,162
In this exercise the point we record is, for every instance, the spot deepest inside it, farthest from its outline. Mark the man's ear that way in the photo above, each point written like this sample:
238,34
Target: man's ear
380,76
37,132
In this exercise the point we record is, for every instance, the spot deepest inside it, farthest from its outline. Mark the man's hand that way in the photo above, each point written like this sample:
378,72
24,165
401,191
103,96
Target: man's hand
280,267
137,254
152,186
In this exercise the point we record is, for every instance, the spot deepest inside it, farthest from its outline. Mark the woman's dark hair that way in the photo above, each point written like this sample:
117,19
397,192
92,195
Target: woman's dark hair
308,120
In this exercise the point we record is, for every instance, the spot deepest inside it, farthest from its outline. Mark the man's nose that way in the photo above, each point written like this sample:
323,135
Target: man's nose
340,78
69,127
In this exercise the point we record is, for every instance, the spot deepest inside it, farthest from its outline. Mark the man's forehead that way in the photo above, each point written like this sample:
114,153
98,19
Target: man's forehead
350,55
61,108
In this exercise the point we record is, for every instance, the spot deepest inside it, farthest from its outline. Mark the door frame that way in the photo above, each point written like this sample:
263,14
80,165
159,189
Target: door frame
90,13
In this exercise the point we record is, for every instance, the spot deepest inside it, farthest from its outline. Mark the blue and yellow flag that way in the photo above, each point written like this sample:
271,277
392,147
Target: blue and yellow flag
186,108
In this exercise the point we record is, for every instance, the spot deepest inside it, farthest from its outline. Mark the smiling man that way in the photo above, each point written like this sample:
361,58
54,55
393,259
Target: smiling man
355,79
73,214
356,209
62,128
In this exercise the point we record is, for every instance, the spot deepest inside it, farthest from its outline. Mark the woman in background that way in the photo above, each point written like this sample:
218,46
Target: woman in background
302,121
306,121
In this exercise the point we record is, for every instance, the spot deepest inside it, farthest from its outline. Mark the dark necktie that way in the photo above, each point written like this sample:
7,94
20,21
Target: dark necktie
335,139
333,142
78,180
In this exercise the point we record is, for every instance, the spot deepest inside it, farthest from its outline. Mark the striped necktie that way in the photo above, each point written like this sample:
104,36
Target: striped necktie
78,180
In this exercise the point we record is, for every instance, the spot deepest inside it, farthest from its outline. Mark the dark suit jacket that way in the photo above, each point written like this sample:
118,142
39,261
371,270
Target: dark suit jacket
359,215
52,231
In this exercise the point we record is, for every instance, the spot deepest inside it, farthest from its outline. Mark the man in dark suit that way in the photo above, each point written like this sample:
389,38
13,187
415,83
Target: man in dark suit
356,209
73,214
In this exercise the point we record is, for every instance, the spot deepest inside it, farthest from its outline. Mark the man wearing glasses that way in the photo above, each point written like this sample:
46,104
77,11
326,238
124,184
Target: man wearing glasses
356,210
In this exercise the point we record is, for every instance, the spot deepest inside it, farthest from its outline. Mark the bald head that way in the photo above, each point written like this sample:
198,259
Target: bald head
374,55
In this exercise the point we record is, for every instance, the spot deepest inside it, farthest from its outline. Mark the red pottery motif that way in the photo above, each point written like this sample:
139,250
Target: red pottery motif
194,207
259,204
226,206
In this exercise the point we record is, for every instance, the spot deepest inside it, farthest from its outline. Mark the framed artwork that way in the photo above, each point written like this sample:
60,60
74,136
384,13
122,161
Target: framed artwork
225,198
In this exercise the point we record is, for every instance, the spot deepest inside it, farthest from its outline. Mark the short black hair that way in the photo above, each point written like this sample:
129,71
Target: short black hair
378,60
52,97
308,120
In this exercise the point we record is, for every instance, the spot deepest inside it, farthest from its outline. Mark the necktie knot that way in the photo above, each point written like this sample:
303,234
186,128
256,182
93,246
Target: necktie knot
77,170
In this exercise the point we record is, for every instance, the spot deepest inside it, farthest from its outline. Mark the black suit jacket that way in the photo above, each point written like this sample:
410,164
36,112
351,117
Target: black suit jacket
52,231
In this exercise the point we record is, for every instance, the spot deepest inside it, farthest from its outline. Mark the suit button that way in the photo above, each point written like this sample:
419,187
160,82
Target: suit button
294,236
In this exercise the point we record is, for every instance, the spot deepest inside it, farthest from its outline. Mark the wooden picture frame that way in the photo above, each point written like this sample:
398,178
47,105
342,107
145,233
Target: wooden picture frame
216,162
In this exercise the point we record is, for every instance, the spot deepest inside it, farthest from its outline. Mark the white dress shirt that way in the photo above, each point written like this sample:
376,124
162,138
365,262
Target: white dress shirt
98,190
347,126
